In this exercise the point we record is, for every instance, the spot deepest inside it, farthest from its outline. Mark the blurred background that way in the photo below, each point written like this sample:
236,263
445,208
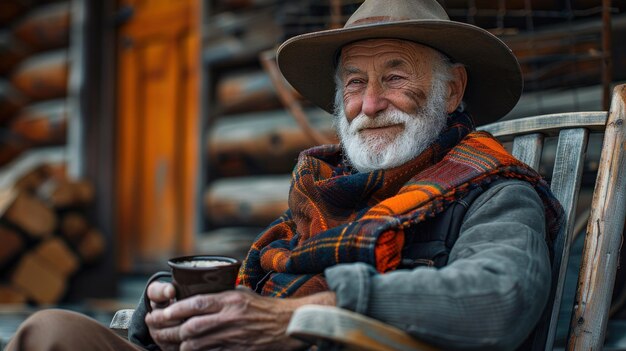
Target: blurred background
133,131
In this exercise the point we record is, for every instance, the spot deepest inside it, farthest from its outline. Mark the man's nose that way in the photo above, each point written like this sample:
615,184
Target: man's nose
374,100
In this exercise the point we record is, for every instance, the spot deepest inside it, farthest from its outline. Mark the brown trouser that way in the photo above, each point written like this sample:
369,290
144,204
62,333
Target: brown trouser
66,330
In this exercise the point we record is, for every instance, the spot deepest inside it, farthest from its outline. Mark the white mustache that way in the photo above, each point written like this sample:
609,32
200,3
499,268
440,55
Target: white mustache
385,119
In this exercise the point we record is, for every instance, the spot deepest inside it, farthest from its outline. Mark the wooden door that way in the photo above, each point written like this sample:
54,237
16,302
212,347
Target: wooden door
158,130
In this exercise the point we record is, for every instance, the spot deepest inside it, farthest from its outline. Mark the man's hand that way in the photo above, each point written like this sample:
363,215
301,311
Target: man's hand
231,320
165,332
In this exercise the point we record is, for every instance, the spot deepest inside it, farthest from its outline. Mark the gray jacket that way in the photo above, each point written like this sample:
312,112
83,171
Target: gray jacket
489,296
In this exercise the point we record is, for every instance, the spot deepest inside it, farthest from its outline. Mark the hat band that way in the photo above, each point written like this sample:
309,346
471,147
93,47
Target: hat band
375,19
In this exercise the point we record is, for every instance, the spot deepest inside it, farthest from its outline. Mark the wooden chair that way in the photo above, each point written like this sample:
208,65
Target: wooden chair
347,330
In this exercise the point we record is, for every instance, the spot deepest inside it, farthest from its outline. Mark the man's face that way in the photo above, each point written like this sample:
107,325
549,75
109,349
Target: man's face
392,104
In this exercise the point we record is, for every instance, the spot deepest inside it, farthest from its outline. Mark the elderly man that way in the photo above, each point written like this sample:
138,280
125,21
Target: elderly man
416,219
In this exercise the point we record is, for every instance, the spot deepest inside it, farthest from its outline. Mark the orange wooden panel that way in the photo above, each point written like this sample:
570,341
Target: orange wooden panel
158,123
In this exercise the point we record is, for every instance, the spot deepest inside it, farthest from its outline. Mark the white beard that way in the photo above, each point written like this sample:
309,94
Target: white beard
383,152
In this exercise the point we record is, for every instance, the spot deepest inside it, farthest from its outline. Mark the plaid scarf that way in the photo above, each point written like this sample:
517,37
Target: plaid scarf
337,215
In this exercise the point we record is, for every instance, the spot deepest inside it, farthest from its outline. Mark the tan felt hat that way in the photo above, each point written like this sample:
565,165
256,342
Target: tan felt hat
494,78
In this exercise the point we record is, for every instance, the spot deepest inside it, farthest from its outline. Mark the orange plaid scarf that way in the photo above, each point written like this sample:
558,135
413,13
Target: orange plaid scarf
339,216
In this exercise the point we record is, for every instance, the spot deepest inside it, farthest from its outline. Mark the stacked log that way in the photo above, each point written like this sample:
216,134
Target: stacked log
46,234
45,27
34,72
247,201
12,51
43,76
42,124
261,143
553,58
236,40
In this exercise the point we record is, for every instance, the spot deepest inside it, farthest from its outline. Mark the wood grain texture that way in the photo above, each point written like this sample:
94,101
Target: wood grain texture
549,125
45,27
565,184
251,201
43,76
158,126
527,148
354,330
604,235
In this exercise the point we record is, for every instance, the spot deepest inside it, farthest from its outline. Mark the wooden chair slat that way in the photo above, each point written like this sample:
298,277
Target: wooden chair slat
566,180
604,235
547,124
527,148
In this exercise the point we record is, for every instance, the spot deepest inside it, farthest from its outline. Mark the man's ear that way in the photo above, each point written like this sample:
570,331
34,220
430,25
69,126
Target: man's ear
456,87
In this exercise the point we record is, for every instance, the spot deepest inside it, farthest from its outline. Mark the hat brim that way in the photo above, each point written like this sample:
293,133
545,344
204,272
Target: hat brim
494,76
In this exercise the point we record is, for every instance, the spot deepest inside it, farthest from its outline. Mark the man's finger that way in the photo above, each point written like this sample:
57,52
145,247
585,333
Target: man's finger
156,319
201,325
160,292
193,306
166,335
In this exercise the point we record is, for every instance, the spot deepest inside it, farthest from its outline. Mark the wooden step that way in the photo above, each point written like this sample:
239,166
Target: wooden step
45,27
43,76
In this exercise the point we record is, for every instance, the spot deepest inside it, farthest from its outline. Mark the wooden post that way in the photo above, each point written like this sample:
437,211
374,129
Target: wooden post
604,235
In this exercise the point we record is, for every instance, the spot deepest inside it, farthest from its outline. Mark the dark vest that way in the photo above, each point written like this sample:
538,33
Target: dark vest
429,242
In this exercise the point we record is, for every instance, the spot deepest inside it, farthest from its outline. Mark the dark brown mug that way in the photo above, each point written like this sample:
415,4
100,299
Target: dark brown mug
192,275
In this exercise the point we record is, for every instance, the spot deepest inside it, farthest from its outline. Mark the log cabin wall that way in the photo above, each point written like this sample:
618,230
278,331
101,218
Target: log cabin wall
52,240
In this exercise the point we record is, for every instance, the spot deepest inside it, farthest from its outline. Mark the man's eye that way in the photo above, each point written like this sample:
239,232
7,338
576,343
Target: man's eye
394,77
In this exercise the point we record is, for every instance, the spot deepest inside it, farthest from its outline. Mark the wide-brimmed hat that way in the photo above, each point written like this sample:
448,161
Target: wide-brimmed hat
494,78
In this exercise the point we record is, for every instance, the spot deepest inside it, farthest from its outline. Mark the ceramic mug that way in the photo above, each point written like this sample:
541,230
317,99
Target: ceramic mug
198,274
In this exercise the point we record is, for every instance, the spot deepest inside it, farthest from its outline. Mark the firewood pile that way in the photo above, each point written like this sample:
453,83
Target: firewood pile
46,235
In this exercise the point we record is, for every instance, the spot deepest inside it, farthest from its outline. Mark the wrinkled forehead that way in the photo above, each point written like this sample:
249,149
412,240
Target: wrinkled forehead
386,48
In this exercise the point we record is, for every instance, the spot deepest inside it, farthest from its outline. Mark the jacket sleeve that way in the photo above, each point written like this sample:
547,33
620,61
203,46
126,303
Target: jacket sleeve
489,296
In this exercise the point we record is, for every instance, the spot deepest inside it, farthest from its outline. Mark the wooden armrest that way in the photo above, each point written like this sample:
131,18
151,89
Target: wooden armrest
121,321
327,324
